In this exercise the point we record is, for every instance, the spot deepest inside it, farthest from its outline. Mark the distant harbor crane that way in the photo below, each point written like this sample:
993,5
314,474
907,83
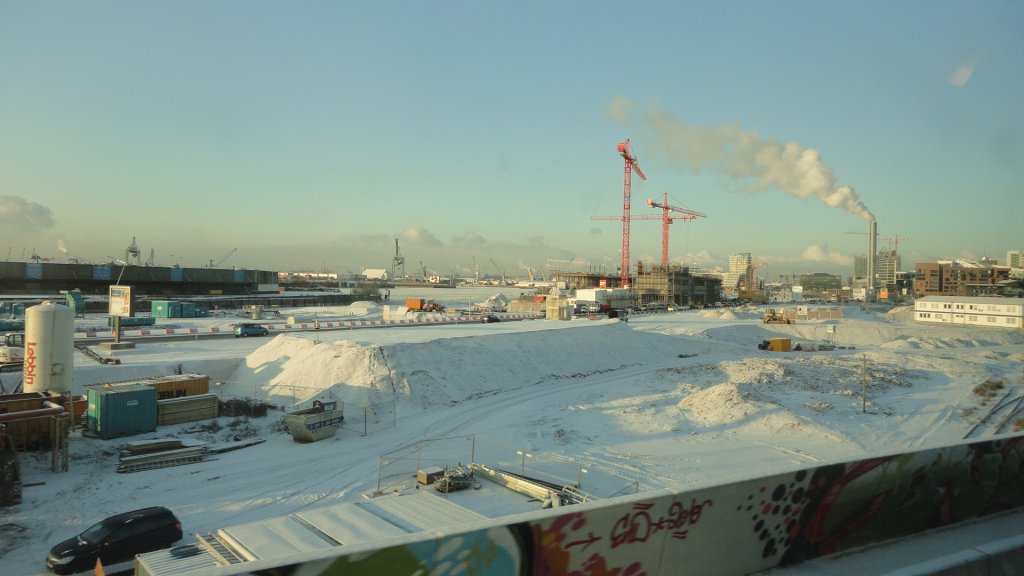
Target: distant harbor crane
397,263
222,260
500,270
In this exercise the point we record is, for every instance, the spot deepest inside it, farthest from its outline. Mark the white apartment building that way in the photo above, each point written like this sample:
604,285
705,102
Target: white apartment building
1015,258
971,310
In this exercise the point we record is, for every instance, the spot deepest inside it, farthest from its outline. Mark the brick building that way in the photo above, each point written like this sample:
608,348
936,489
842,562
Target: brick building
959,278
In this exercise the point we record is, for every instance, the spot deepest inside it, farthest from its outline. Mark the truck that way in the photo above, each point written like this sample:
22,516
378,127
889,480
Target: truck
12,351
421,305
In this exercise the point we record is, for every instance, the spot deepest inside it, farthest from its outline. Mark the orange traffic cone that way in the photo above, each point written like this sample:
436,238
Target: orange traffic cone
98,571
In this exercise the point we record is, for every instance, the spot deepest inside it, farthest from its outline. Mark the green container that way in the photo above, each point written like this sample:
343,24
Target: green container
121,410
159,308
188,310
76,302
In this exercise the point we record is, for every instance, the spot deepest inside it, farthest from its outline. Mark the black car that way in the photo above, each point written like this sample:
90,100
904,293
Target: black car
116,540
490,318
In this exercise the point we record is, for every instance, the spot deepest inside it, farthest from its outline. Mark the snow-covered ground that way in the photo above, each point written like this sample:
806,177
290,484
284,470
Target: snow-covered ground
671,400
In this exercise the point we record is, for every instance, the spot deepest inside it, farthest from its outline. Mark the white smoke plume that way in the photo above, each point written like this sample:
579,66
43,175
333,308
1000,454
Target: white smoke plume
754,164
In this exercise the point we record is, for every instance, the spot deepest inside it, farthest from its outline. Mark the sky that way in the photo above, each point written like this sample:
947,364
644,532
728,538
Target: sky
312,135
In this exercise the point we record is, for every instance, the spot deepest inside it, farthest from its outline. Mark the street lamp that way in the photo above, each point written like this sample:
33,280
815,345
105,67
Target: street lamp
522,466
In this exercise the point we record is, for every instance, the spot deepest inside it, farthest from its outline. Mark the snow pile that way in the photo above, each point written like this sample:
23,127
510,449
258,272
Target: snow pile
497,302
720,404
354,310
445,371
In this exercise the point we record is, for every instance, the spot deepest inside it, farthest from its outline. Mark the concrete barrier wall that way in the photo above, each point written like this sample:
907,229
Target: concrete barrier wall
732,529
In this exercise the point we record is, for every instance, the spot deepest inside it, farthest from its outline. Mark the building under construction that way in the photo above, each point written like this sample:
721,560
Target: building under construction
672,284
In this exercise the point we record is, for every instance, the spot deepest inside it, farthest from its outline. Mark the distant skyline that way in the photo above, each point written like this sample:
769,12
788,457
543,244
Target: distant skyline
304,136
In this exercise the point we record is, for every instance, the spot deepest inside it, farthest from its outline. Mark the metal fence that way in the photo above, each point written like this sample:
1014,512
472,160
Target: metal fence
398,469
370,418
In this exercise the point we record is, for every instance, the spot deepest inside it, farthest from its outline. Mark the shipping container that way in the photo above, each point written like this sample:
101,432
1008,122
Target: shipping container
158,308
415,303
28,433
165,309
780,344
187,409
172,386
133,321
75,301
188,310
22,402
315,424
121,410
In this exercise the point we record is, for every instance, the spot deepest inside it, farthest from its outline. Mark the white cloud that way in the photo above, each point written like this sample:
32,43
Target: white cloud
965,71
618,109
702,258
419,237
18,212
961,75
817,254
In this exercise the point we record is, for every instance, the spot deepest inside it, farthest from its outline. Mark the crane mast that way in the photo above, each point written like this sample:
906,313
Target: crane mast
630,166
666,220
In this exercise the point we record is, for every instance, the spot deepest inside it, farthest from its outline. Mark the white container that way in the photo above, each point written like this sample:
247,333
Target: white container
49,348
321,421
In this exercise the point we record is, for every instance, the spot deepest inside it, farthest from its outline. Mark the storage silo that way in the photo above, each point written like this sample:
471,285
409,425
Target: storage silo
49,348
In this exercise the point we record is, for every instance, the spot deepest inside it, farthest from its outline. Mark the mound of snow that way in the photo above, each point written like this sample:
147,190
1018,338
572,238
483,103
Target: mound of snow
446,371
720,404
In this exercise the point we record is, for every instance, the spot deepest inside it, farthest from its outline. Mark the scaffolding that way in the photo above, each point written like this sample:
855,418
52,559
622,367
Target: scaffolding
675,284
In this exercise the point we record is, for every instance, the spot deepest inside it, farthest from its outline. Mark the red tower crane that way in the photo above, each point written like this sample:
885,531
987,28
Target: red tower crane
666,220
630,166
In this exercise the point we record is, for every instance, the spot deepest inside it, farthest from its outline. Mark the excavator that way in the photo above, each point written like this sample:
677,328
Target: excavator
772,316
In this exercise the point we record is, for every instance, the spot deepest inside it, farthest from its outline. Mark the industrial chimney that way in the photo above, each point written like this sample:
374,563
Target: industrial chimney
869,295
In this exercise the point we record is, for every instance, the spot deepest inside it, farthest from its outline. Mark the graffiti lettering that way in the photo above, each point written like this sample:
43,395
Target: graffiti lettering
585,543
639,526
30,365
479,559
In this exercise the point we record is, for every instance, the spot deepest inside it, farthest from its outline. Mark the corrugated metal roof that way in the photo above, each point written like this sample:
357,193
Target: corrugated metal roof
177,560
422,511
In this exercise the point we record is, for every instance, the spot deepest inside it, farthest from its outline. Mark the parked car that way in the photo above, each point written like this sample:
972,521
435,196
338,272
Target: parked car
250,329
115,540
491,318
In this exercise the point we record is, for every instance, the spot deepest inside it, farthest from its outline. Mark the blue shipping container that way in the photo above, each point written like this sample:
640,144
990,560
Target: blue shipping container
121,410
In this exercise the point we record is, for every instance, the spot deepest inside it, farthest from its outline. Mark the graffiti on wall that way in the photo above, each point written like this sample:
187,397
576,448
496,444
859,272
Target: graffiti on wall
737,528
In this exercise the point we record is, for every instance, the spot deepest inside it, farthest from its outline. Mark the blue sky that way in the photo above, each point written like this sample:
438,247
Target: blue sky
310,135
